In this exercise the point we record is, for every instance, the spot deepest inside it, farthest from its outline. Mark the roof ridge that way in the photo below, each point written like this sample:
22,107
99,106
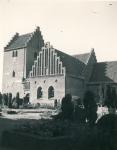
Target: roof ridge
90,54
25,34
70,56
83,57
106,61
66,58
80,54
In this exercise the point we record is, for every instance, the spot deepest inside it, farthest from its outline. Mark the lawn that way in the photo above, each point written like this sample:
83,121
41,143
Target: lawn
36,130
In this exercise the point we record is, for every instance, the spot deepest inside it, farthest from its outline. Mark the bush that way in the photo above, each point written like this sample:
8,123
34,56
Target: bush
107,132
111,99
90,107
11,112
67,107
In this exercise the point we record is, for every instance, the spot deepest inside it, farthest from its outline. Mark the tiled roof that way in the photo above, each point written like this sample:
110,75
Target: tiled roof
19,42
73,66
82,57
104,72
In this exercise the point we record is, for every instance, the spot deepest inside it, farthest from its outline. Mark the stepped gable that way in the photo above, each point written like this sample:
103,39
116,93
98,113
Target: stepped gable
82,57
73,66
104,72
12,40
21,41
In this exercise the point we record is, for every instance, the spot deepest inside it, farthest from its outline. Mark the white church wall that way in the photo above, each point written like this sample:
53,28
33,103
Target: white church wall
58,83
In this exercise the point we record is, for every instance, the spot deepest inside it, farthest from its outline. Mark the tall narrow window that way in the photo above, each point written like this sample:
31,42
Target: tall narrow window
52,62
39,92
50,92
57,67
43,62
40,67
35,55
13,73
16,53
13,54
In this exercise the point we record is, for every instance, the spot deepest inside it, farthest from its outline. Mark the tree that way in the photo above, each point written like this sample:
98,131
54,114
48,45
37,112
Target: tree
111,99
90,107
5,99
108,97
17,99
0,99
67,107
10,100
107,132
79,113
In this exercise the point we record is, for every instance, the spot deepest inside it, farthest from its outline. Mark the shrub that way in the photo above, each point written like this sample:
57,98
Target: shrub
90,107
107,132
67,107
111,99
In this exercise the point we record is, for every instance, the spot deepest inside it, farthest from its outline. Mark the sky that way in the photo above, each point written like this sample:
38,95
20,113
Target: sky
72,26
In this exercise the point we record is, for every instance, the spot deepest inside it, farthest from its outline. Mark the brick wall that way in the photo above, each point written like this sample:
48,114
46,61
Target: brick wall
16,64
96,90
58,83
74,86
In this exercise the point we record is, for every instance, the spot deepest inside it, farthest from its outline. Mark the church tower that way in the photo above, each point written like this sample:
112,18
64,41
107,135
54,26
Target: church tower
19,55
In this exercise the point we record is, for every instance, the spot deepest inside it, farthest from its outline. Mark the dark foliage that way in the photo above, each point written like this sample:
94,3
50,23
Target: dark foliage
10,100
5,99
107,132
67,107
26,99
90,107
0,98
111,99
11,112
79,114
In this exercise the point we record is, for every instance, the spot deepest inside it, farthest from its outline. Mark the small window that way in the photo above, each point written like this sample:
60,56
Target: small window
13,74
16,53
35,55
13,54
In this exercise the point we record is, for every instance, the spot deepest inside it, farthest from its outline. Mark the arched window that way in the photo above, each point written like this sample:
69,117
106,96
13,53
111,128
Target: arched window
50,92
13,73
39,92
35,55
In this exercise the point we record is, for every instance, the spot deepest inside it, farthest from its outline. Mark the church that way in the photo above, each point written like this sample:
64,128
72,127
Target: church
33,66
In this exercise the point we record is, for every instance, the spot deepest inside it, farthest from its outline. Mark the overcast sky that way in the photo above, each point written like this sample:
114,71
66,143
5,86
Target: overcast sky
72,26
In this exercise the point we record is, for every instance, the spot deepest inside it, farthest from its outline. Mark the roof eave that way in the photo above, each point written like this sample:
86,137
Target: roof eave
14,48
74,76
101,82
